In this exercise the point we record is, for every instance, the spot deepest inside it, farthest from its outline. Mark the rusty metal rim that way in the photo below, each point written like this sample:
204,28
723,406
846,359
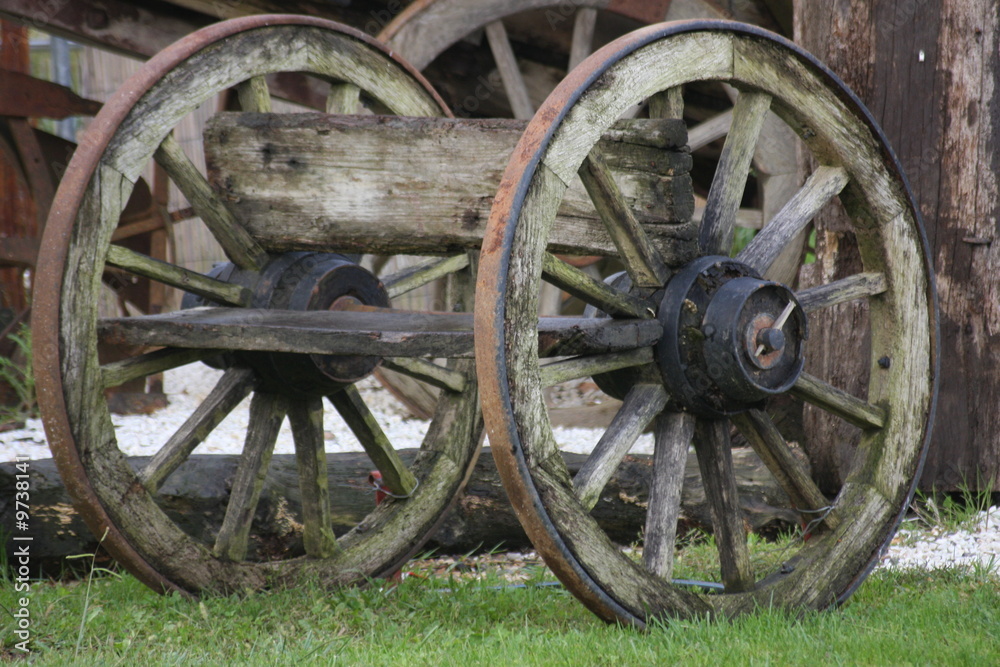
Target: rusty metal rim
47,345
497,246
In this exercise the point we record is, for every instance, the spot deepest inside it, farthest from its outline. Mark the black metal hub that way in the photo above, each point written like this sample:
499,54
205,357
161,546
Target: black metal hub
304,281
730,338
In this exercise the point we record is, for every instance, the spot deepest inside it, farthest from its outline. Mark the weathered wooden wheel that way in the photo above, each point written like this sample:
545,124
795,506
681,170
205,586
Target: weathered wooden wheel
289,325
730,340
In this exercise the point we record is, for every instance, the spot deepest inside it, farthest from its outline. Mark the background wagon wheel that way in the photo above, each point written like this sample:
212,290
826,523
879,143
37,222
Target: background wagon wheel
498,58
730,340
262,284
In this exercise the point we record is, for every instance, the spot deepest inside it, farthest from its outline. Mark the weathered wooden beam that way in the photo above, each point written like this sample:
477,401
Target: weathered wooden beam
426,185
385,333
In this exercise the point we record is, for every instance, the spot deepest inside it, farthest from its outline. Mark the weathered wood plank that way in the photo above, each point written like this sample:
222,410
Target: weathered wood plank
116,373
597,293
267,411
385,333
836,401
306,419
422,186
179,277
396,476
235,385
238,244
822,185
731,174
789,471
640,406
709,130
343,98
715,460
859,286
510,73
641,260
674,431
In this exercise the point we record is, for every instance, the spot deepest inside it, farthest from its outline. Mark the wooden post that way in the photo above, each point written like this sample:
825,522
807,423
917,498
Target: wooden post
928,70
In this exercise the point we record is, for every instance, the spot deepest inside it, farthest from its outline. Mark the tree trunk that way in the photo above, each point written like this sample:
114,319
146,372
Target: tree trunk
195,496
928,70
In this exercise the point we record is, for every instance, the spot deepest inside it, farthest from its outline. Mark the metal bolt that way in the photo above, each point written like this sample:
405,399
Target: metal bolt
771,339
885,362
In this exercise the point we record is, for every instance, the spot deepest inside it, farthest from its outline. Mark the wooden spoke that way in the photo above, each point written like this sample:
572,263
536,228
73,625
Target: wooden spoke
667,104
235,385
510,73
422,273
823,185
731,175
237,243
306,419
789,471
395,475
715,461
377,332
254,95
344,98
176,276
641,259
583,36
836,401
119,372
606,298
674,431
709,130
859,286
580,367
642,403
267,411
427,371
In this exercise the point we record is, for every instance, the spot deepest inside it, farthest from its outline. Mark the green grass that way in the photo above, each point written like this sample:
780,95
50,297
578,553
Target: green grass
947,617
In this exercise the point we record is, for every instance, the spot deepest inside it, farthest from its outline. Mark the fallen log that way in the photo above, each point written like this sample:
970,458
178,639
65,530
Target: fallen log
195,496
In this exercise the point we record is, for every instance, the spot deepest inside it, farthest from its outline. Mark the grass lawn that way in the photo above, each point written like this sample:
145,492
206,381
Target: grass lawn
946,617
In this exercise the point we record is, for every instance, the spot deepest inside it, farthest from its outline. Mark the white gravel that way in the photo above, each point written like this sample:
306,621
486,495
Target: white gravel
142,435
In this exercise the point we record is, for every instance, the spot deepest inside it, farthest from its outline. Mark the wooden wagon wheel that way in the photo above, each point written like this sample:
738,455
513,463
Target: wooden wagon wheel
270,350
427,30
730,340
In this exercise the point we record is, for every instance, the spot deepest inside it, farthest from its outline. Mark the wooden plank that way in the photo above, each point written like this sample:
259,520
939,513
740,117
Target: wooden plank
254,95
641,260
710,130
858,286
422,273
267,411
674,431
344,98
315,181
119,372
789,471
730,178
715,461
235,385
383,333
179,277
606,298
396,477
822,185
306,419
640,406
426,371
580,367
836,401
510,72
667,104
238,244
